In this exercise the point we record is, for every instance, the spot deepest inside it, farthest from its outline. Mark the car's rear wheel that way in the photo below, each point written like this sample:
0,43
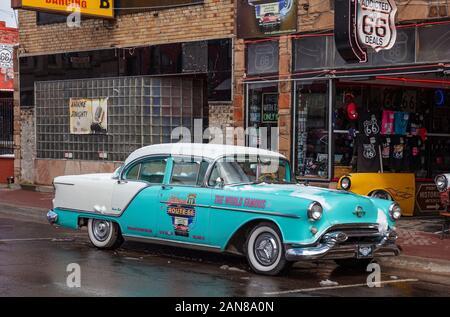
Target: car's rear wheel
354,263
104,234
265,251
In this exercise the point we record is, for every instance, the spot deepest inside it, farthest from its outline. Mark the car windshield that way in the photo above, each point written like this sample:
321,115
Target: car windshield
237,171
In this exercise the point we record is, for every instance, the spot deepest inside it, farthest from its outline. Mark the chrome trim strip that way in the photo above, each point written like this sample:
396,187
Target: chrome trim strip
271,213
173,242
66,184
88,212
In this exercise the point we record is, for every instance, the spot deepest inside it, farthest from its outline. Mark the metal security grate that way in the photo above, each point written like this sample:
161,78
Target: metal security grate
141,111
6,126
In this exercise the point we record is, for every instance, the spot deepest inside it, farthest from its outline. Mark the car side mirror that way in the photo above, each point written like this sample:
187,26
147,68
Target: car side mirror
220,183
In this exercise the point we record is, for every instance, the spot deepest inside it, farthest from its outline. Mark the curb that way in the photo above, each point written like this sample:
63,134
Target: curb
26,213
417,264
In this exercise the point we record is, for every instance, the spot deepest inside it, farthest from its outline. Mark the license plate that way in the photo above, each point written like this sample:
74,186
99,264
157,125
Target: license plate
365,251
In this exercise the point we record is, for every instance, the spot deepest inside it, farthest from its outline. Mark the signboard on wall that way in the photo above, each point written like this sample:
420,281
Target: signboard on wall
6,67
266,18
97,8
362,24
429,198
269,108
88,116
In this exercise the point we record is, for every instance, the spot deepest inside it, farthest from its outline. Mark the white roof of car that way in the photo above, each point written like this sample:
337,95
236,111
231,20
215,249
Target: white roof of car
208,151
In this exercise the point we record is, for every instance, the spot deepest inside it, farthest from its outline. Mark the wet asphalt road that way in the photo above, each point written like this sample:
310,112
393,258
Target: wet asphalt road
34,258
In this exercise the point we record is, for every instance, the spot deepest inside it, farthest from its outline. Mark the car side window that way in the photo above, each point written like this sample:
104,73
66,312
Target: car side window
133,173
185,173
153,171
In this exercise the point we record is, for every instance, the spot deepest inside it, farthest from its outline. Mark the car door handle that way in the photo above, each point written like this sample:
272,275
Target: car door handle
165,187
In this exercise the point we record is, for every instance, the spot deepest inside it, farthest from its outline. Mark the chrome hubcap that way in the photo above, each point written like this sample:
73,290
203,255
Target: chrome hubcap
101,229
266,249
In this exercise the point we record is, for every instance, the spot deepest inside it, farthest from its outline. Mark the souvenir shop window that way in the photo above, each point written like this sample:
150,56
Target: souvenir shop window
382,129
347,102
263,115
311,130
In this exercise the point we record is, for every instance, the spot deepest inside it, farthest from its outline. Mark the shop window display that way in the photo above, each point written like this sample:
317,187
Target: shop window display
395,129
312,150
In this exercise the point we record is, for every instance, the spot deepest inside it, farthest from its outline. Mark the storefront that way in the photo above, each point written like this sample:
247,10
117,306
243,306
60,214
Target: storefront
8,39
123,78
390,115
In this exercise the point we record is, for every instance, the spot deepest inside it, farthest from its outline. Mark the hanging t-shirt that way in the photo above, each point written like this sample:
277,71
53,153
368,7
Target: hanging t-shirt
386,147
387,123
401,122
368,154
416,122
398,154
369,124
386,151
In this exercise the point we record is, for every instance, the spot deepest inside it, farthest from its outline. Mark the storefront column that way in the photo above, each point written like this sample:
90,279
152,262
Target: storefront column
17,124
239,73
285,100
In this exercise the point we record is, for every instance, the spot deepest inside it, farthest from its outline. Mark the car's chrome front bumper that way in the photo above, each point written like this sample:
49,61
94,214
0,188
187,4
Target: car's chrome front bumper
52,217
335,245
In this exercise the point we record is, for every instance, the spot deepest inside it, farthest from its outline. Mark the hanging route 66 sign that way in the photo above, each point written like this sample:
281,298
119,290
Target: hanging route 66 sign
376,23
6,56
362,24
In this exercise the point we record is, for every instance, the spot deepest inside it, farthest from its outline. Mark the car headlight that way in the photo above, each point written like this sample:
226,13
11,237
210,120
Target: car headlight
346,183
395,211
441,183
315,211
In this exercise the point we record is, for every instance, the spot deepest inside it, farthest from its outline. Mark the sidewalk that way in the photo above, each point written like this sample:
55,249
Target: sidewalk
25,198
422,248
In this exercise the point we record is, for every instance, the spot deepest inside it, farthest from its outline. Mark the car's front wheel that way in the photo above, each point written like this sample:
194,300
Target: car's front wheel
265,251
104,234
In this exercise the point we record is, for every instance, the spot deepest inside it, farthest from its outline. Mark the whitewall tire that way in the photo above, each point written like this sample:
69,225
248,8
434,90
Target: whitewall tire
104,234
265,250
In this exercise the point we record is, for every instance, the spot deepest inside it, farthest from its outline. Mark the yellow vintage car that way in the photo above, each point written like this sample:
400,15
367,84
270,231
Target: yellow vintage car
399,187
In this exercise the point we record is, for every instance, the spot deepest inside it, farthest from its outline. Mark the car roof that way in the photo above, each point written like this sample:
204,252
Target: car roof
208,151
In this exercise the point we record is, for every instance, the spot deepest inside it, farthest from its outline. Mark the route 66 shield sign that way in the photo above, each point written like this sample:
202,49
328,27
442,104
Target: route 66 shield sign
376,23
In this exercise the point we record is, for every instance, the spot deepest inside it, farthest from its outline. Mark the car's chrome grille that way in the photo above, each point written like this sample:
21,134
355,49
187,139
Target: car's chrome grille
358,233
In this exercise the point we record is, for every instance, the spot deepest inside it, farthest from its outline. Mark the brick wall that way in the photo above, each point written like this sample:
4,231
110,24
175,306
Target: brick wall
316,15
221,116
213,19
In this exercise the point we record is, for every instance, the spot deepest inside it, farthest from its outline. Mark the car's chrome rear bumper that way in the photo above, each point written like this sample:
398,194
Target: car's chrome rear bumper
335,245
52,217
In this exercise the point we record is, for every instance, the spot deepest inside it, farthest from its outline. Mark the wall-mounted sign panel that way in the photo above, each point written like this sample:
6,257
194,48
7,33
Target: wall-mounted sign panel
96,8
269,108
262,58
362,24
266,18
88,116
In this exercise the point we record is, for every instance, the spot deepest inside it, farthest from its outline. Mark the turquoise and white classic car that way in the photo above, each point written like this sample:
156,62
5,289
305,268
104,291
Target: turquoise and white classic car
225,199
